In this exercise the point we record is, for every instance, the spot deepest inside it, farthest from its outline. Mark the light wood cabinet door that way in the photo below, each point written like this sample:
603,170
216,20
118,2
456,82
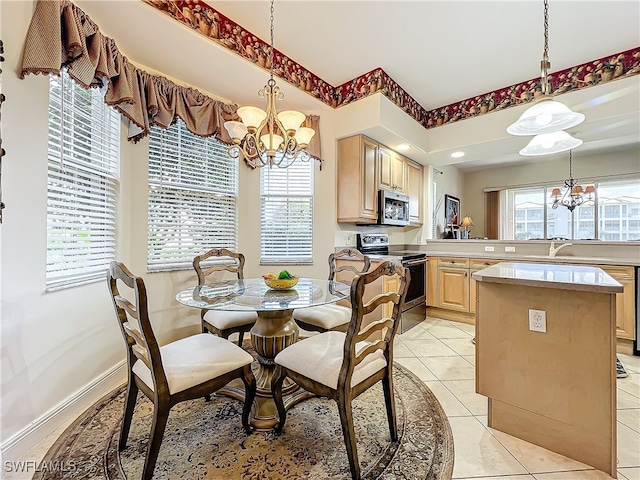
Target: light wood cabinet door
432,282
392,171
625,301
415,191
391,284
453,288
357,180
476,265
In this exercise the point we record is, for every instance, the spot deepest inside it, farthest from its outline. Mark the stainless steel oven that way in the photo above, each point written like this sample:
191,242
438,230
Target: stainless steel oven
414,310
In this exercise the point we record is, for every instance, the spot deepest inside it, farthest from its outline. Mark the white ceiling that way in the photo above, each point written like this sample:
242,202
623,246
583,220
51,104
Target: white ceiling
440,52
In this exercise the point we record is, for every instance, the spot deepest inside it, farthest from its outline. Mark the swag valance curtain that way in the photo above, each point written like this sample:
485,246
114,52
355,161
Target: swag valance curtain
61,35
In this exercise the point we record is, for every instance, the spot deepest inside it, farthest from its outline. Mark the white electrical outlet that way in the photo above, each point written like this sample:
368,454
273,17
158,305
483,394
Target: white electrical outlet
489,249
538,321
510,249
349,239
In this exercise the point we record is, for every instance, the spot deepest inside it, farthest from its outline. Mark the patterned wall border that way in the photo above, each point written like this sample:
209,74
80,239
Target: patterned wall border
209,22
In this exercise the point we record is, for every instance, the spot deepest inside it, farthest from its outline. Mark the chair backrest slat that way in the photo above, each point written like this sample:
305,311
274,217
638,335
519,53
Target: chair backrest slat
388,326
236,264
142,343
362,264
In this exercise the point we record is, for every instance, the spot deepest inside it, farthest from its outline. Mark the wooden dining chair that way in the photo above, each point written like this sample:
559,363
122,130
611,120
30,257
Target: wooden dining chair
334,316
219,322
341,365
186,369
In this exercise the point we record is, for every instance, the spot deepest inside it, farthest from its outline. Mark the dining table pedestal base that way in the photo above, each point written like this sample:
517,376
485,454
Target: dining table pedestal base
273,332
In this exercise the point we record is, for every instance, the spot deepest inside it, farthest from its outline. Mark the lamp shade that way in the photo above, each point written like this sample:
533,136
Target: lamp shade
267,139
548,143
304,135
546,116
556,193
237,130
291,120
467,222
252,116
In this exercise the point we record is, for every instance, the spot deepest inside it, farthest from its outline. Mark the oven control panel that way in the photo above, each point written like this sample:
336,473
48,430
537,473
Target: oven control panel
372,240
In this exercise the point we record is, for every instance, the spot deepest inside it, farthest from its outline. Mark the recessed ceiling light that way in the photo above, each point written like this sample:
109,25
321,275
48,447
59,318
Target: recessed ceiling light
403,147
457,155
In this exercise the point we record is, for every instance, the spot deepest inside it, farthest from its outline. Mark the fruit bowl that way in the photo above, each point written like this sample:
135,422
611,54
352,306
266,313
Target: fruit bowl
281,283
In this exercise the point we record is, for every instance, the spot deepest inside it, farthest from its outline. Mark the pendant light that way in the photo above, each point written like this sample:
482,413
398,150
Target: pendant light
548,143
546,115
268,137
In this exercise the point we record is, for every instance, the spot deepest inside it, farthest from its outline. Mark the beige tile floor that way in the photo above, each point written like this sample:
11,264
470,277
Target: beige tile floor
441,354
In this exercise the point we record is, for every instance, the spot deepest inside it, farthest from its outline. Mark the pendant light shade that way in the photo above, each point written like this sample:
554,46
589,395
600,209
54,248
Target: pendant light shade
546,116
548,143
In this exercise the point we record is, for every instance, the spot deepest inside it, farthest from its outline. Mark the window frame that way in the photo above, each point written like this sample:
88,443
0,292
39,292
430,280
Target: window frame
83,184
185,180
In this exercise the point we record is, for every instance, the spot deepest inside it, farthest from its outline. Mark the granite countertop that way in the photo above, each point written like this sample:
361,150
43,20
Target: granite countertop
564,277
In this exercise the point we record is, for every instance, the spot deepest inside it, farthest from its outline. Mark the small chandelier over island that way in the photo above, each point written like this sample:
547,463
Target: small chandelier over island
574,194
269,138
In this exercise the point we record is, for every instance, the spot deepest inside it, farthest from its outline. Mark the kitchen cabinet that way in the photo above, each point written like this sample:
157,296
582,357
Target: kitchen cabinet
625,302
449,297
392,170
453,283
364,167
357,180
415,189
475,265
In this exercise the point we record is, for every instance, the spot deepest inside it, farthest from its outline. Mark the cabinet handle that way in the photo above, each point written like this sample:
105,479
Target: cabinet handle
487,263
465,274
453,261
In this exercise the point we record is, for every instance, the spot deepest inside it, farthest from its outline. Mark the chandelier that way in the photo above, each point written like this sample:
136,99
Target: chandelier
574,194
546,115
267,137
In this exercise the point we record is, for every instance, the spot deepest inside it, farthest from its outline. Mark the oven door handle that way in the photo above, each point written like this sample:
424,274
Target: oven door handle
413,263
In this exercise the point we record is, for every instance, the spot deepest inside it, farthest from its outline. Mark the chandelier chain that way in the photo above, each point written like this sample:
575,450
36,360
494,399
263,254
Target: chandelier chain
570,164
545,54
271,55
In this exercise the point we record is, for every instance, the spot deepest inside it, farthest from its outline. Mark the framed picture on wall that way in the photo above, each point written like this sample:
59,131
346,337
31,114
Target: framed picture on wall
451,210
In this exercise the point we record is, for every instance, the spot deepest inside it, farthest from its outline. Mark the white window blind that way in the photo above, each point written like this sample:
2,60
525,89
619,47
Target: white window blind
83,184
193,189
286,214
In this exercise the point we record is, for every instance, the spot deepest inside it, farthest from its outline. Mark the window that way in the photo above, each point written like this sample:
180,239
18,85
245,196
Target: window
193,189
613,215
286,214
82,185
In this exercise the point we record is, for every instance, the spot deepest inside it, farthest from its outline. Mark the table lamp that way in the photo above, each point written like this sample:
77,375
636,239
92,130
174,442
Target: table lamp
467,223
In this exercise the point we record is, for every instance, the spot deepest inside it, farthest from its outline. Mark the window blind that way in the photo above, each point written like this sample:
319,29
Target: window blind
286,214
83,184
193,188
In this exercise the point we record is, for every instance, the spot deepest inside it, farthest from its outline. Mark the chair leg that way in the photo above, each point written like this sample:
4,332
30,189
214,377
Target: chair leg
160,417
240,338
346,419
276,391
129,406
249,395
389,401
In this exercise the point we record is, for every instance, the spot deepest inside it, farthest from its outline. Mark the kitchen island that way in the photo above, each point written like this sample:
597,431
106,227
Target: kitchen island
555,388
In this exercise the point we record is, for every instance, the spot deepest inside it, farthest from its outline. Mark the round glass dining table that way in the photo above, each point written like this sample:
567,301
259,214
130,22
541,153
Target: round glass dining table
273,331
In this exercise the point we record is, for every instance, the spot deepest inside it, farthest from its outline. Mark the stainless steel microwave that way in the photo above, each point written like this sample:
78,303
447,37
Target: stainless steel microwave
393,208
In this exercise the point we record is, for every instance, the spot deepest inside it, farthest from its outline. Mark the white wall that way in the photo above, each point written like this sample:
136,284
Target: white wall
55,343
621,164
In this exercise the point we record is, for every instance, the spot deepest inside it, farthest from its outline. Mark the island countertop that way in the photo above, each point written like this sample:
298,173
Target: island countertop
544,275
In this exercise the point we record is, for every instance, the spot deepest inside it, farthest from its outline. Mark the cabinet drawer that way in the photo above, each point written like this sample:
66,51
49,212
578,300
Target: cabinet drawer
457,262
480,263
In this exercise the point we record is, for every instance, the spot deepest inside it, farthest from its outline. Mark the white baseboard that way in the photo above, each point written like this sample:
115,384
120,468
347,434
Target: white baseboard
21,442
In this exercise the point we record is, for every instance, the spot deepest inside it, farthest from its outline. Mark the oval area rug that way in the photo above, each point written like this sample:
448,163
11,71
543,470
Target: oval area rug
205,440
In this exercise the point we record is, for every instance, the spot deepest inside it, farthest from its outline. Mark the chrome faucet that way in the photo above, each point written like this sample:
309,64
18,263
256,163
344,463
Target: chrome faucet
553,251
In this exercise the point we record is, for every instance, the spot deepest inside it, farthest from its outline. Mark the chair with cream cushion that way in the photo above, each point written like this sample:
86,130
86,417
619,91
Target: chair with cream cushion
219,322
334,316
342,365
186,369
